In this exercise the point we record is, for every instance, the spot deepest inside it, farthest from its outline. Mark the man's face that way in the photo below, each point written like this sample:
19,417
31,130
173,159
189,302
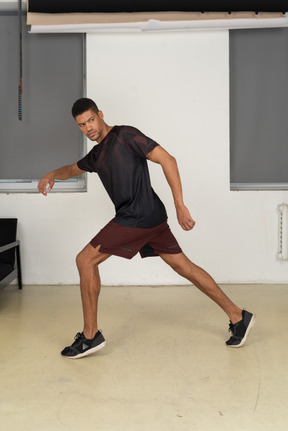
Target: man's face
92,125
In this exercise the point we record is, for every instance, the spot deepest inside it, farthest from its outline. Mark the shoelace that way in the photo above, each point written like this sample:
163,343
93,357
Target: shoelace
231,327
77,336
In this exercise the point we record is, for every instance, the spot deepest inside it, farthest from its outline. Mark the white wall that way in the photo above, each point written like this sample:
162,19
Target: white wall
175,88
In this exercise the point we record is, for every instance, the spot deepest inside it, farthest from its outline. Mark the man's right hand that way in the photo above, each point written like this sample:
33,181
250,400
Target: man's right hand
63,173
48,180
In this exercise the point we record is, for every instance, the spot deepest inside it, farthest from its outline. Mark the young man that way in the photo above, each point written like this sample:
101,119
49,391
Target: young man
140,223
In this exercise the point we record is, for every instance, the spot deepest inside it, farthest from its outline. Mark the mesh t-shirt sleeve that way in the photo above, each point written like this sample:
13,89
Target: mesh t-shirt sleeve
87,163
140,144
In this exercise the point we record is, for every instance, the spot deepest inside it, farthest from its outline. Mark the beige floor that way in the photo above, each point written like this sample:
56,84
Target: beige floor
165,366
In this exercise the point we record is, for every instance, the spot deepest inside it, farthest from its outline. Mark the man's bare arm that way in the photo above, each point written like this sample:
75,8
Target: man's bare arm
170,169
64,173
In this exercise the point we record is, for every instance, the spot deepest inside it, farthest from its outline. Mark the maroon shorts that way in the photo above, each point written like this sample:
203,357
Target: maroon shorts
126,241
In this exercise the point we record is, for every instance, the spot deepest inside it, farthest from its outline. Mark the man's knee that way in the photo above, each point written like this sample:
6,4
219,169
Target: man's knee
180,269
179,263
80,260
90,257
85,258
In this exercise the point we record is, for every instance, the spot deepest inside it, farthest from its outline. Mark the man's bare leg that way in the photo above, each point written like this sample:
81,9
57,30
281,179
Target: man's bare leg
204,282
90,340
88,261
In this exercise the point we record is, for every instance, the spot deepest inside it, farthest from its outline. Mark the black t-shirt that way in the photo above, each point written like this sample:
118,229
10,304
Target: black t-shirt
120,161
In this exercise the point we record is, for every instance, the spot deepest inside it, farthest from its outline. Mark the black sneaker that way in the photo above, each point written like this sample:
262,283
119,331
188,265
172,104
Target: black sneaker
82,346
240,330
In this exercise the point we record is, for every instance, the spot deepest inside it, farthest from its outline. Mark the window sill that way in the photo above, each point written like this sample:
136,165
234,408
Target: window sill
73,185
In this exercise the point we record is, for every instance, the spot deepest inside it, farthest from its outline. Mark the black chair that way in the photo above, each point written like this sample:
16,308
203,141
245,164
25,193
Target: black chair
10,268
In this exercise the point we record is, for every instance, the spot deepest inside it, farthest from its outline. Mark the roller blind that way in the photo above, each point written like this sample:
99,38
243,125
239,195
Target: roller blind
53,70
259,109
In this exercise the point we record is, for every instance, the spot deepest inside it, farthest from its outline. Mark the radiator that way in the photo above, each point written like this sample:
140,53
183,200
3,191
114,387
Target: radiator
283,231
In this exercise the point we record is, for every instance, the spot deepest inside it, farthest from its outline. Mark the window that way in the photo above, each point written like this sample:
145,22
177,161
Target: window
53,78
258,109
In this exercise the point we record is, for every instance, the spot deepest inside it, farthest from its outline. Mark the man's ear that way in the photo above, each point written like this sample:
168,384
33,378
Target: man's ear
100,114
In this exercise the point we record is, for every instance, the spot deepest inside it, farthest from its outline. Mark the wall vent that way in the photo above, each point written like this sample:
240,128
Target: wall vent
283,231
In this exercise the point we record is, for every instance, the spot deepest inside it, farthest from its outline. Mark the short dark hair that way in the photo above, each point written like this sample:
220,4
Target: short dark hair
83,105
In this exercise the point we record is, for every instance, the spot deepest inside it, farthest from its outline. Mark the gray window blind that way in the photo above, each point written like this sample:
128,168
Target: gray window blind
259,109
53,71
